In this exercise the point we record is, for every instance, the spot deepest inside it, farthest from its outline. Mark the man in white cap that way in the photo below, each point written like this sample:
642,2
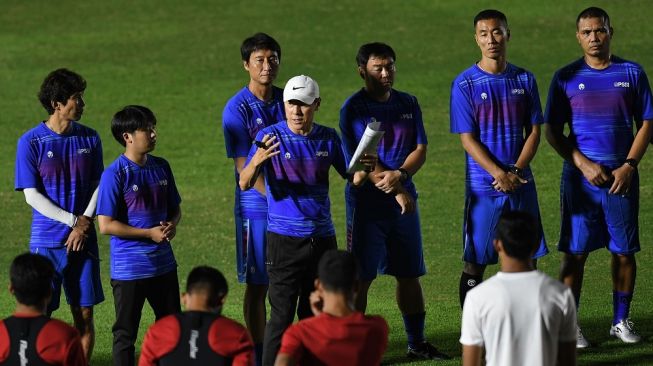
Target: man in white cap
294,157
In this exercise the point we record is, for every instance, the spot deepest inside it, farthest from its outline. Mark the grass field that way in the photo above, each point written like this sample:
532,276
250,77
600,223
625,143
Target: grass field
182,60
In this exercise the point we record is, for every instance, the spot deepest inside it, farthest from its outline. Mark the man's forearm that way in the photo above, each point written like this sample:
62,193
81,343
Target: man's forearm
110,226
530,147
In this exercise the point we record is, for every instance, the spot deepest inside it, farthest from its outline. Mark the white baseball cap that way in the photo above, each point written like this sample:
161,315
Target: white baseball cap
301,88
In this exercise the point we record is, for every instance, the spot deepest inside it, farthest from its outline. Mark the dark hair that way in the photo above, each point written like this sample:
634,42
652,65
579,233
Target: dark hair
130,119
209,279
377,49
259,41
59,86
31,278
491,14
338,271
519,233
594,12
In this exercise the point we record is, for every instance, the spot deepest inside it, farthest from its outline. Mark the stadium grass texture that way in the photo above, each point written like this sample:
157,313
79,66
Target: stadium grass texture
182,60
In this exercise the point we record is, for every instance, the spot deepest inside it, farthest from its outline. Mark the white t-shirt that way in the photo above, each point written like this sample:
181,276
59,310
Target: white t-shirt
519,318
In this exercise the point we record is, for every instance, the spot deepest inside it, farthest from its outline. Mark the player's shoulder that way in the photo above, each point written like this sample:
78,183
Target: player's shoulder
376,321
404,97
241,97
628,65
519,73
83,130
468,77
34,134
320,130
356,99
570,69
223,322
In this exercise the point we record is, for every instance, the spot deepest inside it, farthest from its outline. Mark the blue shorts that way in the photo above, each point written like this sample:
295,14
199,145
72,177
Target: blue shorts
250,250
79,272
391,246
481,218
591,218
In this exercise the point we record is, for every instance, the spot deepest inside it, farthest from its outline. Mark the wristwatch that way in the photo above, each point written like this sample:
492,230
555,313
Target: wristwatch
516,171
632,162
404,175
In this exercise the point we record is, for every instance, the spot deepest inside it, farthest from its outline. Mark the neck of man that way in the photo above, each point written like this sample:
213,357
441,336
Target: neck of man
30,310
302,131
199,301
261,91
337,304
138,158
493,66
378,95
57,124
598,62
512,265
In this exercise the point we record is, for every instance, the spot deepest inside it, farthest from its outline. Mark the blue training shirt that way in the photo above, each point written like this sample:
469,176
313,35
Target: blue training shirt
495,109
297,180
63,167
243,117
401,119
600,106
142,197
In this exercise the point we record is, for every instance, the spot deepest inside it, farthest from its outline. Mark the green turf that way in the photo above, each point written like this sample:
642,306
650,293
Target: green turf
182,60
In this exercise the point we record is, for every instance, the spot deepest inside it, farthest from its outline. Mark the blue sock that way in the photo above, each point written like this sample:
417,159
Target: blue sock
621,305
258,353
414,325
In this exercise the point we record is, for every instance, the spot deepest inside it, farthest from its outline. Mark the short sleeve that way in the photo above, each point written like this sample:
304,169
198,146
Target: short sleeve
471,333
109,193
535,104
27,174
461,110
236,135
174,199
349,142
230,339
338,161
291,343
558,109
419,124
643,104
160,339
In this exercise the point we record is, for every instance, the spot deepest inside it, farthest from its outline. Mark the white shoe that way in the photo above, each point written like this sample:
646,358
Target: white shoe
581,341
624,331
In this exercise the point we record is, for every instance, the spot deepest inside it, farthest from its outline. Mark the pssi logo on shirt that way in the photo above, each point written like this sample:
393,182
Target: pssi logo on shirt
163,182
84,151
322,154
406,116
517,91
621,84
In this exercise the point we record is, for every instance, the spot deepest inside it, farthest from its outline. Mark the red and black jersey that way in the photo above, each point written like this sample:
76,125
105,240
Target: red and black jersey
355,339
39,340
197,338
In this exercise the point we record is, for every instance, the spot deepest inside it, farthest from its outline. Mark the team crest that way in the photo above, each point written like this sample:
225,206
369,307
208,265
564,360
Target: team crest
50,154
287,155
581,86
135,188
259,121
484,96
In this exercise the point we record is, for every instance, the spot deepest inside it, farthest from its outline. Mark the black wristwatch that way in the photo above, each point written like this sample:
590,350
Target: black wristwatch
516,171
632,162
404,175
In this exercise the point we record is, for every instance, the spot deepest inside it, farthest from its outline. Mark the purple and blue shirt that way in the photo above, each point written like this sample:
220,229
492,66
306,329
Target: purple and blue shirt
495,108
63,167
142,197
243,117
297,180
